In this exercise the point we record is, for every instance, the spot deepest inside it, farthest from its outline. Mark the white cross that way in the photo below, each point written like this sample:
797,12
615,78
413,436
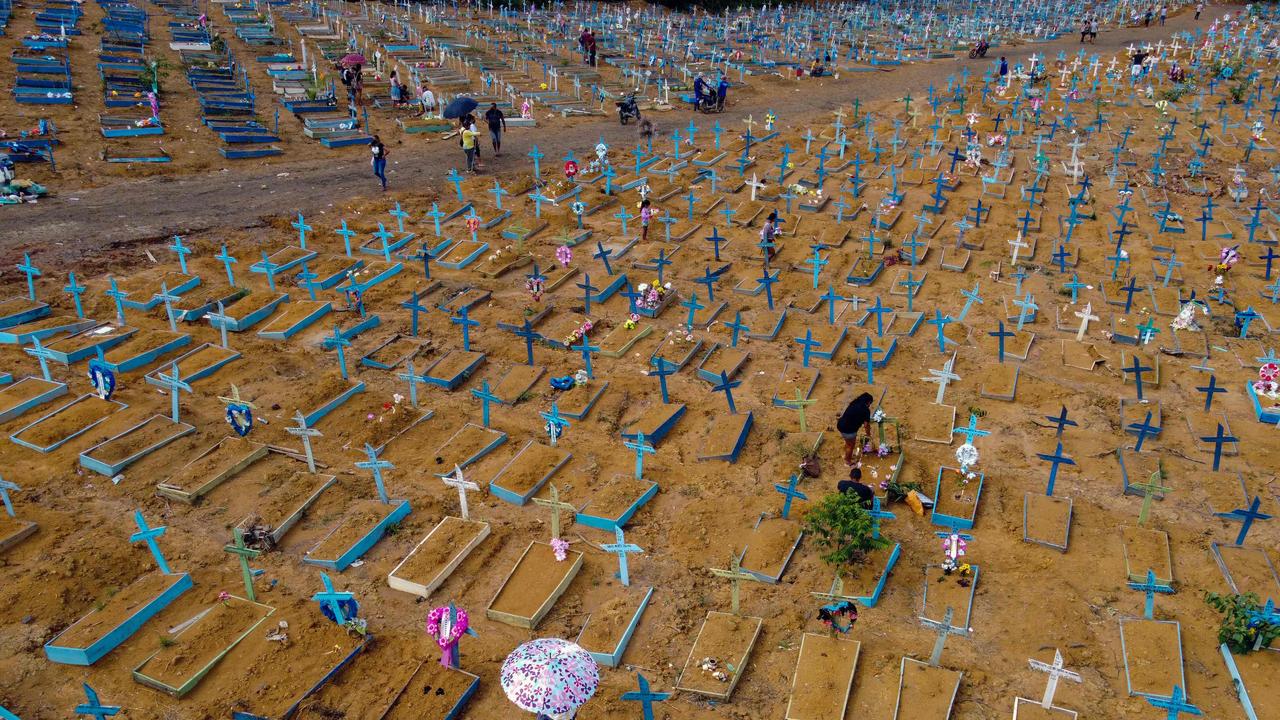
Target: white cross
456,480
1175,47
1085,317
755,185
1034,59
942,377
1111,65
1056,672
1017,243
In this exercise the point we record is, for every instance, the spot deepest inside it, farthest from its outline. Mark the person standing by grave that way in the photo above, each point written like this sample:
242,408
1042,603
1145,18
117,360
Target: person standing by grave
497,125
855,485
1084,30
428,101
1093,30
855,418
646,216
1004,70
379,160
582,43
769,236
1199,9
471,123
1146,19
357,86
722,92
467,137
1164,14
591,48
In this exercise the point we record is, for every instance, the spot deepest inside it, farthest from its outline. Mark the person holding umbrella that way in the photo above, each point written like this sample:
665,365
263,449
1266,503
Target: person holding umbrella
550,677
467,136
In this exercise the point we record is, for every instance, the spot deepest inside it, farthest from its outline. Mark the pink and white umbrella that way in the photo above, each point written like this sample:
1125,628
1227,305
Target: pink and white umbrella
549,676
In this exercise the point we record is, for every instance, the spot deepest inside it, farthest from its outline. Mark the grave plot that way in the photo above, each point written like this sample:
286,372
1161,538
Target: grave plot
527,471
784,387
27,394
576,402
726,436
721,359
609,627
142,290
1152,656
191,653
654,422
1146,550
120,451
86,343
1247,570
956,498
20,310
926,692
466,446
823,677
770,547
102,630
1137,469
518,382
727,640
369,686
14,531
619,341
199,363
249,310
66,423
284,496
1046,520
532,587
1258,678
321,396
613,504
954,591
866,583
372,420
453,368
144,348
313,648
363,525
931,423
295,317
434,691
210,468
393,352
42,329
437,555
886,457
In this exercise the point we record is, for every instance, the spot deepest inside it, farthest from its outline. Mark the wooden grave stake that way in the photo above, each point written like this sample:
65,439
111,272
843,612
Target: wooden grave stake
485,396
149,535
173,383
800,405
1056,672
376,465
5,488
462,485
94,707
790,492
1175,705
641,449
735,575
943,628
556,506
622,548
943,377
1060,421
245,554
1149,489
306,434
1150,587
332,599
220,317
645,697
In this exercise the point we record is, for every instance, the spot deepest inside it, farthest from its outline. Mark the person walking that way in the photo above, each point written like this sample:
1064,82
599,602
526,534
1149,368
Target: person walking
1146,18
855,418
497,125
722,92
471,125
379,161
1164,14
467,136
1199,9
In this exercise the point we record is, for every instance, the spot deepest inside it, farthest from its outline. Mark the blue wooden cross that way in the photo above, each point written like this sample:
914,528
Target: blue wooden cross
467,323
148,535
340,343
168,299
708,280
269,268
910,284
736,327
1057,458
414,306
940,322
1000,336
221,320
182,250
94,707
385,236
726,386
302,227
227,260
970,297
41,353
971,432
789,493
645,696
809,344
879,309
621,548
347,233
660,264
32,272
5,488
1129,290
456,179
877,514
413,380
602,254
307,279
623,216
75,290
376,466
118,295
1074,286
1143,430
1026,307
587,289
173,383
555,423
1244,318
1150,587
632,295
1246,516
1210,390
529,335
399,215
694,306
715,239
485,397
818,263
586,348
641,448
1175,705
831,297
537,156
870,351
1137,369
1060,421
333,599
767,280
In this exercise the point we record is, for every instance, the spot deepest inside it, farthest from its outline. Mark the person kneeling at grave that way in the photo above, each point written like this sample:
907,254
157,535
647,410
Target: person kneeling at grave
856,417
855,485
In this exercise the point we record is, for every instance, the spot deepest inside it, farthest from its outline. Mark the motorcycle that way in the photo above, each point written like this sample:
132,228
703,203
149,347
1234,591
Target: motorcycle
628,109
979,49
708,103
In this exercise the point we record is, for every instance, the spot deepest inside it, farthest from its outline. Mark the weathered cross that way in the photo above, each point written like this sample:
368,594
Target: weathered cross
645,697
1150,587
556,506
376,465
333,599
306,434
462,485
148,535
943,628
244,553
622,548
1056,672
735,575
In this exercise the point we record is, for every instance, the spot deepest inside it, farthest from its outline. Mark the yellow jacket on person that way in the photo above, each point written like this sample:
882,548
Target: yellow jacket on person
469,138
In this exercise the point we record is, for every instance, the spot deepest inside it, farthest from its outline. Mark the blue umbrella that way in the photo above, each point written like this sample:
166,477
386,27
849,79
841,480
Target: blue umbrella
460,106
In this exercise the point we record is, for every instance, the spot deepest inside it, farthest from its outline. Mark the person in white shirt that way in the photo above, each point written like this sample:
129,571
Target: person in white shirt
428,102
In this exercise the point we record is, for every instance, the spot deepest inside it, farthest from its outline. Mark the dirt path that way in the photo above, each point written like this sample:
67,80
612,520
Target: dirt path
80,223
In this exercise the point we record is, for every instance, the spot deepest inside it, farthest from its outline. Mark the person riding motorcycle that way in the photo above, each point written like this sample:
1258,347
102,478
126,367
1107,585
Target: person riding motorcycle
627,108
703,95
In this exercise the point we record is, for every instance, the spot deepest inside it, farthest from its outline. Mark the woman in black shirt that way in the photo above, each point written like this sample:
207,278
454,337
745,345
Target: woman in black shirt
855,417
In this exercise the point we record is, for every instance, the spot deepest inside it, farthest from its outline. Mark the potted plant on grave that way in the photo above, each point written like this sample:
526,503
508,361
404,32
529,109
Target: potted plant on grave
843,530
1246,625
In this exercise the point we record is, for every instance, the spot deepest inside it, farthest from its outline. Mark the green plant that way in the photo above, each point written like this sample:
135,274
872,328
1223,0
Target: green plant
1176,92
842,529
154,73
166,641
896,489
1242,630
1239,91
393,529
